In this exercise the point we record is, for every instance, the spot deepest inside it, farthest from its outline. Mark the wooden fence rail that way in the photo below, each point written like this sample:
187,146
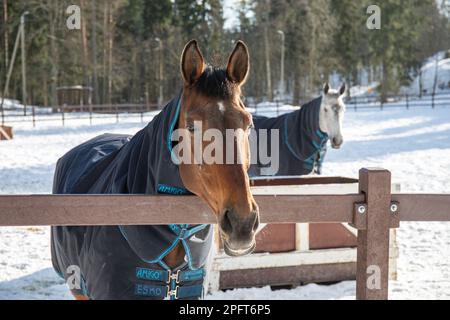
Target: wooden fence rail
373,211
69,210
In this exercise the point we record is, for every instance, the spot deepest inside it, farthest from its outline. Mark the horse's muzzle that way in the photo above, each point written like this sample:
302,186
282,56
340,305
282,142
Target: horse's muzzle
238,233
240,252
337,142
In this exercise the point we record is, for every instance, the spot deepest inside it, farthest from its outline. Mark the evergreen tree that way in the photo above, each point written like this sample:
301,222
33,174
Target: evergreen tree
117,52
349,37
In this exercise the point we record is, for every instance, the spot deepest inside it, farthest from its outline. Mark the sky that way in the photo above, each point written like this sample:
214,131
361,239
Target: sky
230,12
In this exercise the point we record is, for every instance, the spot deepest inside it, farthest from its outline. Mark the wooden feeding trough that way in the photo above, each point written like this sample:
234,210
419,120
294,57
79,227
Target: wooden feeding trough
295,254
6,133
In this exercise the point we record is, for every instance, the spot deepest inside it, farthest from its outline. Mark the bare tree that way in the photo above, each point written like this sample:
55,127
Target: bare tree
5,32
94,51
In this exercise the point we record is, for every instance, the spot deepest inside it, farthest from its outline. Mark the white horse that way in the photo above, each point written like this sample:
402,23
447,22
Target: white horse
332,113
302,135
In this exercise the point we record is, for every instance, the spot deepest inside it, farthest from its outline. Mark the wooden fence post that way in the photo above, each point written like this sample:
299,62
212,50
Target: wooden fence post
3,112
62,114
90,114
373,220
34,116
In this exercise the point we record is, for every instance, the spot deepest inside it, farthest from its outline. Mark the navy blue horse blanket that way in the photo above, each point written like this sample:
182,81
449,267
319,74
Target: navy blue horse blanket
302,145
126,262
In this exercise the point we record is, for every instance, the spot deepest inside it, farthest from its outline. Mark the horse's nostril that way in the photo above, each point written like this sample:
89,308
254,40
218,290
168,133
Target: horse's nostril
226,222
338,141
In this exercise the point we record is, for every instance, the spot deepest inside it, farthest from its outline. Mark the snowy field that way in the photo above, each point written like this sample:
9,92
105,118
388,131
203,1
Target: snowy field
414,145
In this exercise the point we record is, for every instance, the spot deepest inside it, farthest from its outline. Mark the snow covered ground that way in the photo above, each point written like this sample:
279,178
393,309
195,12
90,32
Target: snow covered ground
436,67
414,145
437,63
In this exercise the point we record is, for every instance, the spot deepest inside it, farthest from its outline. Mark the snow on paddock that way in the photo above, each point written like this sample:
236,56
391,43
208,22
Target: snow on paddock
413,144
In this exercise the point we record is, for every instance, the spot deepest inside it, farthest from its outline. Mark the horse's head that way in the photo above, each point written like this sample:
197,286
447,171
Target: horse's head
212,108
332,114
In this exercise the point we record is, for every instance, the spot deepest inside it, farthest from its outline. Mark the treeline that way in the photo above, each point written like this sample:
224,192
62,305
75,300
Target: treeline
128,50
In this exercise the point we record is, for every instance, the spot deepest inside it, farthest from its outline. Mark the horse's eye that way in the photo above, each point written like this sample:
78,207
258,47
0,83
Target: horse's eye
251,126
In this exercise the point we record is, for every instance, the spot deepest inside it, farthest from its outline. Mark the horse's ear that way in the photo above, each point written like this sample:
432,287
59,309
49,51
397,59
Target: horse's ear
326,88
239,64
342,89
192,63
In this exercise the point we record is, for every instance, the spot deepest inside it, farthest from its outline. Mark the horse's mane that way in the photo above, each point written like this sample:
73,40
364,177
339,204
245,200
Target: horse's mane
214,83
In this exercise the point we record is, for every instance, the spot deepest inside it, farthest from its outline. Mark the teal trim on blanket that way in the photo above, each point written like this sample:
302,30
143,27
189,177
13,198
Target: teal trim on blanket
163,188
323,137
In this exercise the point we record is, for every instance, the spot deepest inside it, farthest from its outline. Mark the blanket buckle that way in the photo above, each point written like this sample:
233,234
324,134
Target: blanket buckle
173,276
172,293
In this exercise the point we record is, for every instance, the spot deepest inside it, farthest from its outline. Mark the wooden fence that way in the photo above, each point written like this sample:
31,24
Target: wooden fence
67,112
90,112
405,101
373,211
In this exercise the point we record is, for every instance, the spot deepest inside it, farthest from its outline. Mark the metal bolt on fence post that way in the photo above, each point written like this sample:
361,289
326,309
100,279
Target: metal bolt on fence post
362,209
394,208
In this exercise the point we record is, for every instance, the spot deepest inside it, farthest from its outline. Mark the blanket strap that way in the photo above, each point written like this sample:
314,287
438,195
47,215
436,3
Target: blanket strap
172,289
167,275
165,291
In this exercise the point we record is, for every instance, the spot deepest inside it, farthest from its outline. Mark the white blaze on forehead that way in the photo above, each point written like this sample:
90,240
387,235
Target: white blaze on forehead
333,92
221,107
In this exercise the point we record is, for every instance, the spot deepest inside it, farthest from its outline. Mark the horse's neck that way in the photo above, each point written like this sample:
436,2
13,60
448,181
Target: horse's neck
322,123
308,121
176,257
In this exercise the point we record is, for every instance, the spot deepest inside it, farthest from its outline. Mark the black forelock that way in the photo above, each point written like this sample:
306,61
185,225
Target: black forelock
214,83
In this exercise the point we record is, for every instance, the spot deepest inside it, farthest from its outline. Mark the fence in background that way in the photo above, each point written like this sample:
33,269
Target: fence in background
64,114
405,101
400,101
373,211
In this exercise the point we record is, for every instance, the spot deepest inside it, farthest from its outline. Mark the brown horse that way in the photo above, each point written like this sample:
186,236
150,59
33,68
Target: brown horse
142,165
213,97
